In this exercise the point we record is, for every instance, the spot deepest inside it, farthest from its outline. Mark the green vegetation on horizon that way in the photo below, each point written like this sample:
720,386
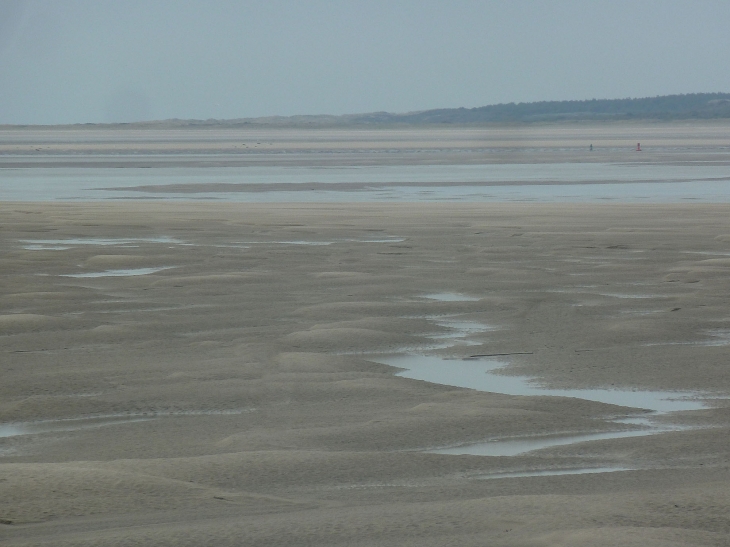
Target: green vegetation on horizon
695,105
667,107
691,106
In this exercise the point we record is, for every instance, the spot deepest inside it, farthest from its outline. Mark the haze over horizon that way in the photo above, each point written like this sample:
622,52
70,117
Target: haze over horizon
101,61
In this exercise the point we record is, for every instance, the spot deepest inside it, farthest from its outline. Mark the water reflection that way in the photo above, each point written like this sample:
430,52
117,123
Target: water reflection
120,273
483,375
551,182
450,297
551,472
507,447
104,242
58,426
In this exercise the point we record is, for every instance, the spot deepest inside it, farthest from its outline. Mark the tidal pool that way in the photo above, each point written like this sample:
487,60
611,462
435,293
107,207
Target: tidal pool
458,334
324,243
450,297
120,273
62,244
514,447
482,375
57,426
552,472
540,182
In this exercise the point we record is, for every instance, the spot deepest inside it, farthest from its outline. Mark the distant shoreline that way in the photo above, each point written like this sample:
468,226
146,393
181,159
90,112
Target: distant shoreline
693,106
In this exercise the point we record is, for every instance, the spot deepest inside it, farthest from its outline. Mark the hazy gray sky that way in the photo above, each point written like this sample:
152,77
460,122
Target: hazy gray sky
123,60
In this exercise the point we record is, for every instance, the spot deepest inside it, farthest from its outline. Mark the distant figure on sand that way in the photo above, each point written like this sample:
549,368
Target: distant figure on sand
591,148
638,147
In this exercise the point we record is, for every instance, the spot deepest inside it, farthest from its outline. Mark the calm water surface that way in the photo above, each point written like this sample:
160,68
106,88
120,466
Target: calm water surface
557,182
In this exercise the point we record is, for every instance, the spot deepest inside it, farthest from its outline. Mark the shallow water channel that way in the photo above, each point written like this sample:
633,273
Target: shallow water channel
126,272
541,182
488,374
72,424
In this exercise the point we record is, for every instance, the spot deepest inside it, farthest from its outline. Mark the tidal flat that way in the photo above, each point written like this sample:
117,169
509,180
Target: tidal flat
240,390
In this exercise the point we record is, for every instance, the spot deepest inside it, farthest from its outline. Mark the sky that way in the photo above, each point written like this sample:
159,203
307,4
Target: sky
91,61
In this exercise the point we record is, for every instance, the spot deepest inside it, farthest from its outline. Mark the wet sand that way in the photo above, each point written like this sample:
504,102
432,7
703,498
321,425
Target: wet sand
122,146
215,373
235,396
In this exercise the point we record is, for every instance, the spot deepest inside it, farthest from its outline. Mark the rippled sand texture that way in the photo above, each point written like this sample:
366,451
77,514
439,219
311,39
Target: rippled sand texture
228,393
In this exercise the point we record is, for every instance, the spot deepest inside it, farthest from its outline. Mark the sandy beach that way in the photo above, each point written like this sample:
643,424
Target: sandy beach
211,373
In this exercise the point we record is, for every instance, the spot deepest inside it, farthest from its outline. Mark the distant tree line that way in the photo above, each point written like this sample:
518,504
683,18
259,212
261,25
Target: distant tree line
667,107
